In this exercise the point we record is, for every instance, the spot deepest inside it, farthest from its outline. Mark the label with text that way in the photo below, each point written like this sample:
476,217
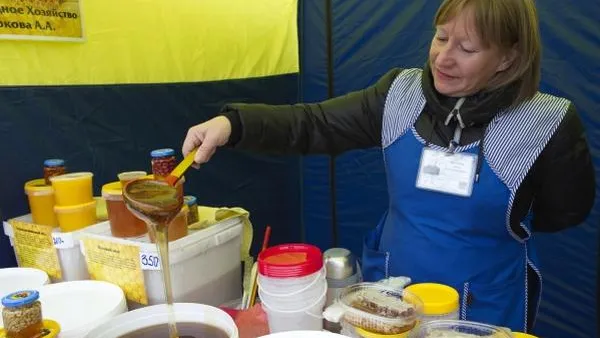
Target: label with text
41,20
116,263
34,247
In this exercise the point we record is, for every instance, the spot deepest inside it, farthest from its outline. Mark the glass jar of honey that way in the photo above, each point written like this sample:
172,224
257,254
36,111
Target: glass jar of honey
163,162
22,314
123,222
192,204
178,228
53,167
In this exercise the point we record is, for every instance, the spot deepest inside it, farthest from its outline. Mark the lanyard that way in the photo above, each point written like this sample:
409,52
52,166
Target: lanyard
455,142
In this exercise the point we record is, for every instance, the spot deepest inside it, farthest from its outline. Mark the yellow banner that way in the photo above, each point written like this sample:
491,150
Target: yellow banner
34,247
118,264
58,20
162,41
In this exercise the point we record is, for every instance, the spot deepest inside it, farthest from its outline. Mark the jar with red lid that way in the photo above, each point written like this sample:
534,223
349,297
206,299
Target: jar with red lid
53,167
163,162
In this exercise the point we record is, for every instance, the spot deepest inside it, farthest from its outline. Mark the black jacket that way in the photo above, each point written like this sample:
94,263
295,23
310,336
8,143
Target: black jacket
559,188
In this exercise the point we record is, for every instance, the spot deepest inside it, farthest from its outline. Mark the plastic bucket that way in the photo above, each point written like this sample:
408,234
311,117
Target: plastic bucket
292,287
72,189
301,292
150,316
76,217
41,202
15,279
306,318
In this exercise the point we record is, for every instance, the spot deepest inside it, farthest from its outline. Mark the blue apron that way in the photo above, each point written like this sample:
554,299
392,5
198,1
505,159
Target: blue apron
464,242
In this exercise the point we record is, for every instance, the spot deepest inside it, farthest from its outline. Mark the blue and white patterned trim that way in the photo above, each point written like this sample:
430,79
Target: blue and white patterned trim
526,291
539,300
387,264
515,139
464,304
405,93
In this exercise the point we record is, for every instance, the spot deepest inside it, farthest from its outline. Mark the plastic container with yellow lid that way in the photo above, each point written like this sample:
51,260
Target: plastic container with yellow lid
440,302
41,202
522,335
73,189
122,222
76,217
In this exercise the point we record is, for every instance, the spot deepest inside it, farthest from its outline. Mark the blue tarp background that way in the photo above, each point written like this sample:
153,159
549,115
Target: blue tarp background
296,196
369,38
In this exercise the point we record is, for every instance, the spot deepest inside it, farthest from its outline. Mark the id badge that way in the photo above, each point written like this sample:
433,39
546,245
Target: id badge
450,173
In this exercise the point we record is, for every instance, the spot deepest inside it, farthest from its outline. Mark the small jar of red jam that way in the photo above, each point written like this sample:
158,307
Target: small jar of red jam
53,167
163,162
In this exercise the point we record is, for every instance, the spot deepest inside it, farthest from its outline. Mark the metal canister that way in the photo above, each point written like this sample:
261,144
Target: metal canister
341,267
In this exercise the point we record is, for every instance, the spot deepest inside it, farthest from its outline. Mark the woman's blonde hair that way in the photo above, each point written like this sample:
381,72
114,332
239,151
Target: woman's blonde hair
506,24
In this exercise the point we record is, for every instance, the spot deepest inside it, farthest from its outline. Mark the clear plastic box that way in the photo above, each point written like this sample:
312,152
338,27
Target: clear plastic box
377,308
458,329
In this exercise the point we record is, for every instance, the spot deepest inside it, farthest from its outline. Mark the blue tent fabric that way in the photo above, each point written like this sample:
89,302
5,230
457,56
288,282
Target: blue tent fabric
369,38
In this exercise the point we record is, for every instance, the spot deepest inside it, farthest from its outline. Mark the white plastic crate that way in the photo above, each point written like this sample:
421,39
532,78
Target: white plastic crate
72,262
205,265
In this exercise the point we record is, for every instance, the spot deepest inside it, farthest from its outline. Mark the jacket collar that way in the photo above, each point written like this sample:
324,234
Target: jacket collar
476,110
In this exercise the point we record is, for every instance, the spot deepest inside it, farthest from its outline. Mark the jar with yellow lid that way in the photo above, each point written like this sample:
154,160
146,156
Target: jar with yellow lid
40,197
122,221
440,302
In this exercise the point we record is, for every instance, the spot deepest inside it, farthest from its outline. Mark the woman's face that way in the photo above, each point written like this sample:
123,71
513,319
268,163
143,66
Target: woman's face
460,63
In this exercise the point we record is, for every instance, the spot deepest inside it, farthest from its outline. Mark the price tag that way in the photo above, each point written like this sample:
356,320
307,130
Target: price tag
63,240
118,264
149,261
34,247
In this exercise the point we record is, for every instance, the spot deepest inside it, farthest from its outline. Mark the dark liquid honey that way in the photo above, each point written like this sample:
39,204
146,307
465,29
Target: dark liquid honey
157,203
186,330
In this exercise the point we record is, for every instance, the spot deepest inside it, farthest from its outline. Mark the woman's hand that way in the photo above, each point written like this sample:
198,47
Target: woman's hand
207,137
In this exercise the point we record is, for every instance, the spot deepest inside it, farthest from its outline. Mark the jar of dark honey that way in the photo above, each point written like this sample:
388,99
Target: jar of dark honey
163,162
22,314
178,227
123,223
53,167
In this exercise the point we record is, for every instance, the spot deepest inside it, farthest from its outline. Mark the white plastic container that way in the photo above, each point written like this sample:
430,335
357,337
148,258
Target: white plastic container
15,279
80,306
158,315
205,265
292,287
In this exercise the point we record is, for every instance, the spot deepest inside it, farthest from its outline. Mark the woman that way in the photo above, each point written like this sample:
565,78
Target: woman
476,158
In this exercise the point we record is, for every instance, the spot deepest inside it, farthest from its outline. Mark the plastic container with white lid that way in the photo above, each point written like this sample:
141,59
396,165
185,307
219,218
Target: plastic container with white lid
376,308
458,329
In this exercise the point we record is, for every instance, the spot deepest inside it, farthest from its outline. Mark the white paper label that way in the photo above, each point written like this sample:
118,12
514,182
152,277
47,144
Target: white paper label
149,261
62,240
